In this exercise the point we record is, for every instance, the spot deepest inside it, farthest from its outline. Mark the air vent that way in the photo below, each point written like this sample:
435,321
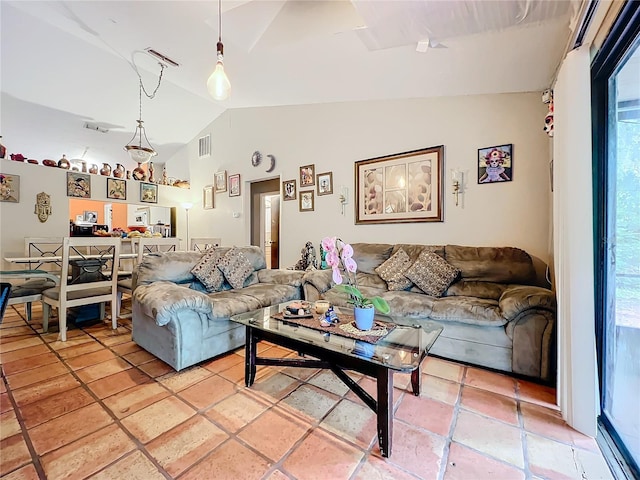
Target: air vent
161,57
204,147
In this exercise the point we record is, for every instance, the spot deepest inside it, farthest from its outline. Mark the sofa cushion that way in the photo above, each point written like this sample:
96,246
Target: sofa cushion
492,264
368,256
432,274
271,294
471,288
392,271
207,271
235,267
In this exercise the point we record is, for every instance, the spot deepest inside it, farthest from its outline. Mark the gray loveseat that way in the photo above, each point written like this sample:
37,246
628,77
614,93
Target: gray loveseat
175,319
495,314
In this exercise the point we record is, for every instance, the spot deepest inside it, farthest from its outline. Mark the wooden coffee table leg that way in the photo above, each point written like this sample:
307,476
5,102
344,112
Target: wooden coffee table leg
416,381
250,349
385,410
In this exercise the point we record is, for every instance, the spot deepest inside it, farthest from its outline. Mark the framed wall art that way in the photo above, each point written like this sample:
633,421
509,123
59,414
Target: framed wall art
307,176
207,197
149,192
10,188
400,188
324,182
306,201
78,185
289,190
495,164
116,188
90,217
234,185
220,181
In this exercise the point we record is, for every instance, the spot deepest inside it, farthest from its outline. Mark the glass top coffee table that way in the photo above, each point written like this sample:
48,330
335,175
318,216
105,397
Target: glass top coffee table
401,350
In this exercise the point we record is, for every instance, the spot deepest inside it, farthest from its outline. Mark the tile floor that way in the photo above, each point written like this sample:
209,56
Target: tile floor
97,406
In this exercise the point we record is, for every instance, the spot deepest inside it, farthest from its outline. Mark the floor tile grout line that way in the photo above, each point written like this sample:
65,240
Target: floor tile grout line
139,445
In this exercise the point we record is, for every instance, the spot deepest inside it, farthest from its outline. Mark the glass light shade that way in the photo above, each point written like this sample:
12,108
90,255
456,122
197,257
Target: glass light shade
140,154
187,205
218,84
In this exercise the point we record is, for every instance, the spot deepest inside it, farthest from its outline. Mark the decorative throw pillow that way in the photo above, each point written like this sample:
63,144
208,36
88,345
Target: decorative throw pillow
392,271
236,267
206,270
432,274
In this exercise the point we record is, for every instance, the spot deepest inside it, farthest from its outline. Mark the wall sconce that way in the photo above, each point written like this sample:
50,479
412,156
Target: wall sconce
344,197
456,177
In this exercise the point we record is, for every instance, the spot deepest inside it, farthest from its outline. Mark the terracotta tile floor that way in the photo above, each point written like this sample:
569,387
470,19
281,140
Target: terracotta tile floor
98,406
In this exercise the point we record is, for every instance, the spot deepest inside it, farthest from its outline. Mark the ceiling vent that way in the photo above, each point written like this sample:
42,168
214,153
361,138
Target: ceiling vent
204,146
96,127
161,57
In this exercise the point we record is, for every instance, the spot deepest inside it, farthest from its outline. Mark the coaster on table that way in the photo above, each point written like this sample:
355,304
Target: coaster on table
379,329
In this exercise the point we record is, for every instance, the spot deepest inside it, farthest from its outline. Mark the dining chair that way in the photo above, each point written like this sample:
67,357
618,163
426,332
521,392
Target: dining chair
201,244
143,246
93,279
5,291
27,286
35,247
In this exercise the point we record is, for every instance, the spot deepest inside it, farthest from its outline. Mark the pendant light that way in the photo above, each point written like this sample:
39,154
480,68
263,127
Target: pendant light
138,152
218,84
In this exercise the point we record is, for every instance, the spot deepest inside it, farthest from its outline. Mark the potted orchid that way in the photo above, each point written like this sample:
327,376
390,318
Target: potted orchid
340,259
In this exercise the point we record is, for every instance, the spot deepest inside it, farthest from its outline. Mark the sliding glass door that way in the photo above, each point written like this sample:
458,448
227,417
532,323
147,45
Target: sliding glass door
617,140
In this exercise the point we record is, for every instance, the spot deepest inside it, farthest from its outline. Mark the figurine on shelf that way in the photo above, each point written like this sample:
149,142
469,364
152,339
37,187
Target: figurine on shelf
165,180
151,178
84,167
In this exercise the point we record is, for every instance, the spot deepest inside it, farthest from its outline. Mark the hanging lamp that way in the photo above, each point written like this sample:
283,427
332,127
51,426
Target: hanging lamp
139,152
218,84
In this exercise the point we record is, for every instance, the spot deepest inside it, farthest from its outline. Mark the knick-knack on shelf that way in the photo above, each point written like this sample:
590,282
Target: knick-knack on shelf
93,168
151,179
105,170
64,163
118,172
165,180
138,173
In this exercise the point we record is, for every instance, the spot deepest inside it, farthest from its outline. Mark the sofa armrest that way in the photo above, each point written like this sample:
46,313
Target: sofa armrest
281,276
164,300
517,299
316,282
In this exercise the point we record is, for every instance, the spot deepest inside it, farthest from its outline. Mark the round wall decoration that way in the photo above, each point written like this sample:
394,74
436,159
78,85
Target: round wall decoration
256,158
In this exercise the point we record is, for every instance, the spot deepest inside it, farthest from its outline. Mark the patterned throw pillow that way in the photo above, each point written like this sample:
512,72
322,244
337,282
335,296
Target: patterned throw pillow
236,267
392,271
432,274
207,271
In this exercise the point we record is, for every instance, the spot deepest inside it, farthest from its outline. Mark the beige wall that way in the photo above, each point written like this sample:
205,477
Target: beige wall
334,136
18,220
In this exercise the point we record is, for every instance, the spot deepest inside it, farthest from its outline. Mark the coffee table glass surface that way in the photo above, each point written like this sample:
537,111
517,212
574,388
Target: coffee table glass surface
402,349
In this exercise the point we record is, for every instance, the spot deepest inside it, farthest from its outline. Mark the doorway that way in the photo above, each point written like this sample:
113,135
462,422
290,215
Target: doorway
265,219
616,101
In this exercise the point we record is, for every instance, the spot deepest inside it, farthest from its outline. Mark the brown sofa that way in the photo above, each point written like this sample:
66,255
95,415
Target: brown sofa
497,313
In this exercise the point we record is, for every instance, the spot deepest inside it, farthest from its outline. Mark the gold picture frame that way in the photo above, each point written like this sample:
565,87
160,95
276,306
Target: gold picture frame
400,188
324,183
207,197
220,181
306,201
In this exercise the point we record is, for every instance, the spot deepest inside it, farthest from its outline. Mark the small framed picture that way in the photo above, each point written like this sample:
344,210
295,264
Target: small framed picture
495,164
289,190
116,188
307,176
207,197
306,201
149,193
324,183
10,188
91,217
78,185
234,185
220,181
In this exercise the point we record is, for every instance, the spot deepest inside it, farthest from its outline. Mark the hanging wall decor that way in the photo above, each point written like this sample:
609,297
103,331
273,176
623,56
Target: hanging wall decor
9,188
43,206
495,164
78,185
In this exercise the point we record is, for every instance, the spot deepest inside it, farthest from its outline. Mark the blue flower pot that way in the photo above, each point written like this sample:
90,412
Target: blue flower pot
364,317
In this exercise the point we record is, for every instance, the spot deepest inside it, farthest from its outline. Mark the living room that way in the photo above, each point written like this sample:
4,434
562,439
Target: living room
333,136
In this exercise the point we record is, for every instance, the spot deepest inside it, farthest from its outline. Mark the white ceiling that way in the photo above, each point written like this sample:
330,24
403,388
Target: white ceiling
68,62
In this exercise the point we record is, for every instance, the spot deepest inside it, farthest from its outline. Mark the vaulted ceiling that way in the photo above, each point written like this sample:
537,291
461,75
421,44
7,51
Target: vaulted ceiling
69,63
